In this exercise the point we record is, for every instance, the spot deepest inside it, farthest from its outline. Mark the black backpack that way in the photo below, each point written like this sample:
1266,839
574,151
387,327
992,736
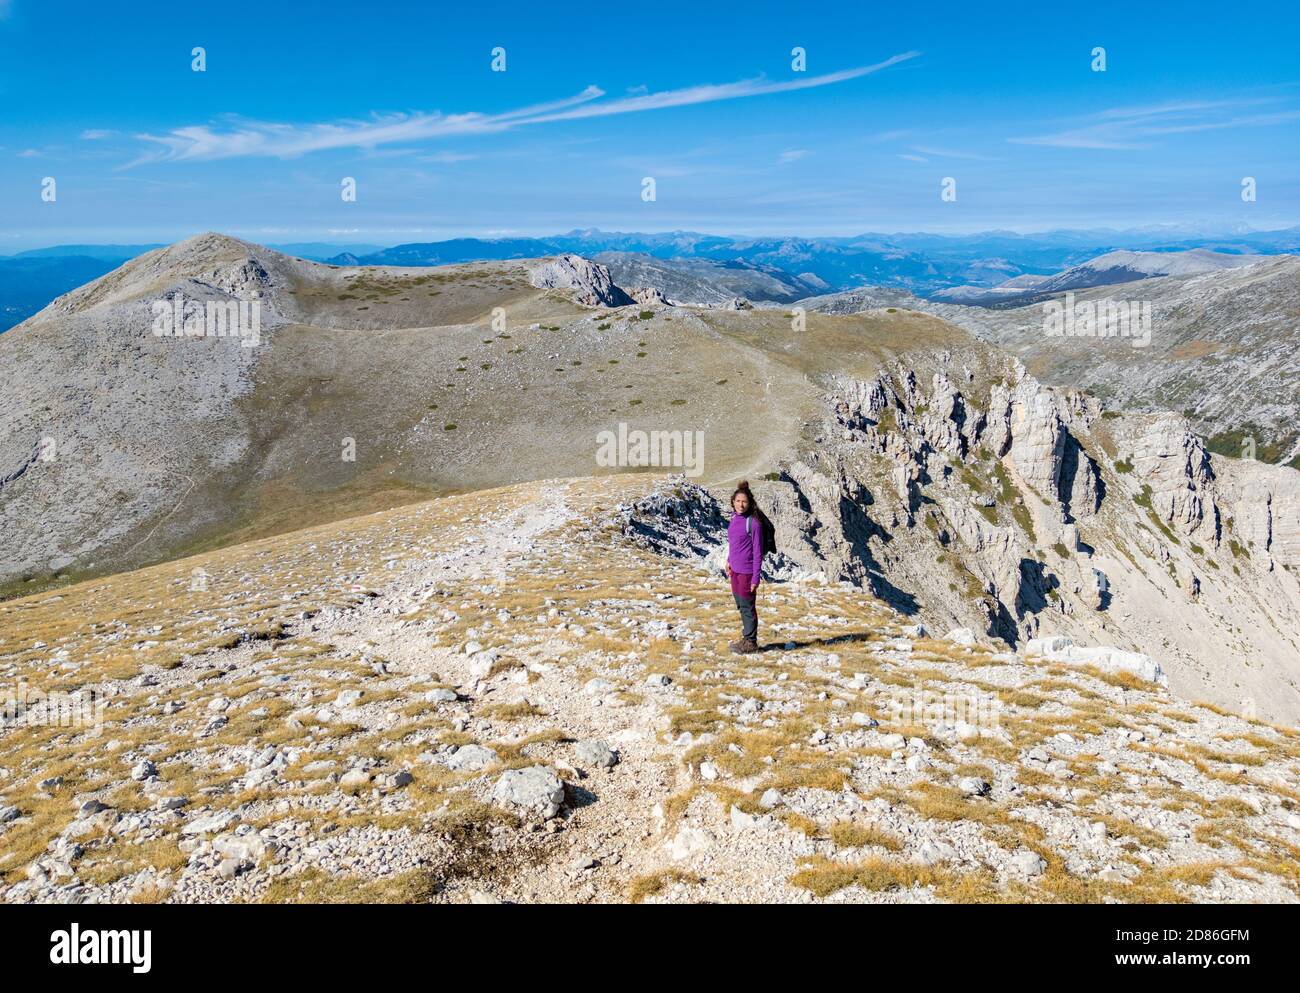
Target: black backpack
769,532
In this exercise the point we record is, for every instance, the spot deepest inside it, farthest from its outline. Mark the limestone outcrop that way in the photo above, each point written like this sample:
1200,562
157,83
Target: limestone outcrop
590,282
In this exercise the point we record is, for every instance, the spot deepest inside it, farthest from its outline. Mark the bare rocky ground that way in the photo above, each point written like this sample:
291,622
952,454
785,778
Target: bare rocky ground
525,694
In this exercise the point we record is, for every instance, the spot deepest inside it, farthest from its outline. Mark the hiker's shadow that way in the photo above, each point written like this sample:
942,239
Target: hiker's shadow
579,796
839,639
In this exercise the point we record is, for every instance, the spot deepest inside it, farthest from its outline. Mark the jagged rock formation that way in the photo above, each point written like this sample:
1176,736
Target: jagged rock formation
1028,515
648,296
1061,649
590,281
862,298
708,282
680,520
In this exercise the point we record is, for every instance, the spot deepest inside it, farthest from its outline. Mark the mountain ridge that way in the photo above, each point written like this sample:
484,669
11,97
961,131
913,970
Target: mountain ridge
1109,268
903,452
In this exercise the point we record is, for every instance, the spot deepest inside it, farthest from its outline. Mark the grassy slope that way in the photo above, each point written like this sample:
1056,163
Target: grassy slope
407,364
459,407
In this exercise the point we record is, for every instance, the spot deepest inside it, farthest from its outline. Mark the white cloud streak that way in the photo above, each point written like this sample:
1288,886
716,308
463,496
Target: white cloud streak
1127,128
241,138
945,153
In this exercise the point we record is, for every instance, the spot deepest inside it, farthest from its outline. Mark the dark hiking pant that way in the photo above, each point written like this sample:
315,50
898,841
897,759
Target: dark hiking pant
748,617
746,604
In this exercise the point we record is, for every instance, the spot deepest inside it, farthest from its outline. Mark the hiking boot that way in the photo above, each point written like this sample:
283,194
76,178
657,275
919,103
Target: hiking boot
746,646
737,647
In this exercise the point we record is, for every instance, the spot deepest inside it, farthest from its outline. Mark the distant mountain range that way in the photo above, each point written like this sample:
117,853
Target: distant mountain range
29,282
1105,270
986,269
116,254
314,250
924,264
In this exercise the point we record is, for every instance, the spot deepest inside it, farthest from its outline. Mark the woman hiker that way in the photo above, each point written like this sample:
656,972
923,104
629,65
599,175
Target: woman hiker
744,564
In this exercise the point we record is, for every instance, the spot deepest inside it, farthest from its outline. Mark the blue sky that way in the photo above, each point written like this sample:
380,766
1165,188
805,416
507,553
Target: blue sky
702,97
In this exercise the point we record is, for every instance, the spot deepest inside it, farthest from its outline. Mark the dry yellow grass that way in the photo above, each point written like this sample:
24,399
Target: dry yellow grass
761,716
654,883
847,834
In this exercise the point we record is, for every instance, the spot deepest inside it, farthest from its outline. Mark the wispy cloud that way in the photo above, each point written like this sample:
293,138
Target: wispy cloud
794,154
1141,126
447,158
96,134
237,137
945,153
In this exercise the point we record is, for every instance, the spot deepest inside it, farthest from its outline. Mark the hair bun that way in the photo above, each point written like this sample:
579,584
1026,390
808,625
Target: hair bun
743,484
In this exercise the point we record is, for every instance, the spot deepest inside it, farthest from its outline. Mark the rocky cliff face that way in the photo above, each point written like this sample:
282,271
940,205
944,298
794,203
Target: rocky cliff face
990,482
1023,513
648,296
707,282
590,281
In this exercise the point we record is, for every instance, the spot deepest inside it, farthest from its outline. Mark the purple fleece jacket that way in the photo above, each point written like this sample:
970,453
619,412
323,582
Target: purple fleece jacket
745,549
